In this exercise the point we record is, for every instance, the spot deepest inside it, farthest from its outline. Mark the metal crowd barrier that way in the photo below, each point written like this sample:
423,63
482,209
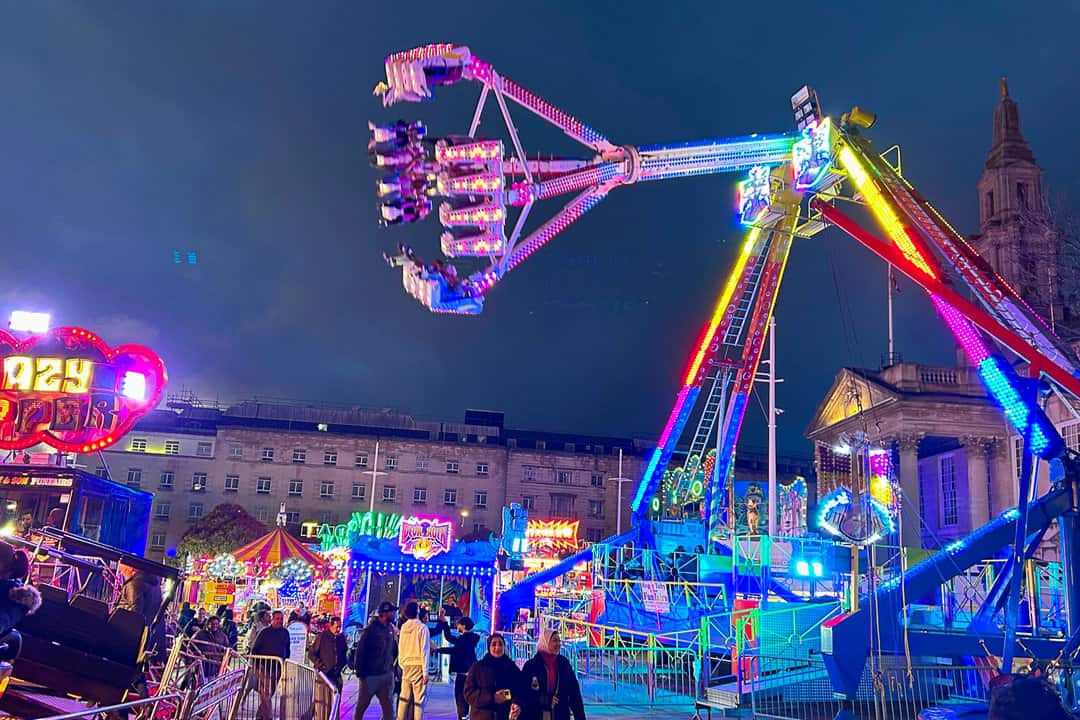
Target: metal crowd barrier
282,690
172,699
790,689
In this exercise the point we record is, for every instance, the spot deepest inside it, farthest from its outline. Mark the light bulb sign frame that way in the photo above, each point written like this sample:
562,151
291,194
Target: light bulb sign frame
68,389
426,537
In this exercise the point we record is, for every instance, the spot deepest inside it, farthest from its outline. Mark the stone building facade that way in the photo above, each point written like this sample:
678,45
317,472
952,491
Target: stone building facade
325,463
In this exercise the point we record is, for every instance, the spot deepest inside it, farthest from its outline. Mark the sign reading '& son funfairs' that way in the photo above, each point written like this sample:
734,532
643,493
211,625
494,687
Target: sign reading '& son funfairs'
68,389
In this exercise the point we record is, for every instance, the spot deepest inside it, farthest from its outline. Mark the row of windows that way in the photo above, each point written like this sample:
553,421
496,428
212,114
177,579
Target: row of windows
390,494
531,474
172,447
330,457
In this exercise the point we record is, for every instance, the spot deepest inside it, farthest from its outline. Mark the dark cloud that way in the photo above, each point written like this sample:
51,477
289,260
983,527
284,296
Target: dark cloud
133,129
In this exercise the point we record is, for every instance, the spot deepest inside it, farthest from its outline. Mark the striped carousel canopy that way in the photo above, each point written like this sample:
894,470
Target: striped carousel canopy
275,546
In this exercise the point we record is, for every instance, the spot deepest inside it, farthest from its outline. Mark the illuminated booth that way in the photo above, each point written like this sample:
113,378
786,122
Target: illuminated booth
420,561
75,501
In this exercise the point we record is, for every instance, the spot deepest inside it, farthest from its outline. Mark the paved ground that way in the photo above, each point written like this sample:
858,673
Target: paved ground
440,705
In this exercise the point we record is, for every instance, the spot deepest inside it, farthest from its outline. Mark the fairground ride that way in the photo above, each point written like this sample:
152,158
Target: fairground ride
796,184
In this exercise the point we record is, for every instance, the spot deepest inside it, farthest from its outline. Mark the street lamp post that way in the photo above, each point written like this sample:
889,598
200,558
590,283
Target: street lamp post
620,480
374,472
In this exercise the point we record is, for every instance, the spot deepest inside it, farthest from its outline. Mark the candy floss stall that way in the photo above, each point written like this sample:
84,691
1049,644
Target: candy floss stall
421,562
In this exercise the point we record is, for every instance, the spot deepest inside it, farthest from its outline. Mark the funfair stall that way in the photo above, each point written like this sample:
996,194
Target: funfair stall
422,562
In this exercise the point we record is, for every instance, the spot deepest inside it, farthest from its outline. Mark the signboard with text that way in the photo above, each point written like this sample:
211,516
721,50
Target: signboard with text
424,538
68,389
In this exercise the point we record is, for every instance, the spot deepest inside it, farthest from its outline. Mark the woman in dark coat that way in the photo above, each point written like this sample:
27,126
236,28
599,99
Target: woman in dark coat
493,685
550,689
462,652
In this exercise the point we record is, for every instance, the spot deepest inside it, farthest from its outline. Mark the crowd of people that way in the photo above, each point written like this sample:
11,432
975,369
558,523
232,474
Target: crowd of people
392,657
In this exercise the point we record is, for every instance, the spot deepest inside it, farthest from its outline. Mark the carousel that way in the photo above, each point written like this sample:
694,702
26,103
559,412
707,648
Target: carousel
276,569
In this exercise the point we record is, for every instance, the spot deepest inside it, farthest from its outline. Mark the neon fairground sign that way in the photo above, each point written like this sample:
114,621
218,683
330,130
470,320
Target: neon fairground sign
373,524
68,389
424,538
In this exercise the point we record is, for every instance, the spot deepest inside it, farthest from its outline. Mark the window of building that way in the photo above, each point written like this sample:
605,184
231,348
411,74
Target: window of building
989,204
236,452
391,462
194,511
596,479
528,503
134,478
101,473
198,482
596,508
157,541
299,456
422,464
594,535
292,517
326,488
564,477
528,474
262,486
541,445
322,427
361,460
947,478
324,516
1021,196
172,447
562,506
268,455
232,483
477,528
451,467
262,514
419,496
166,482
449,496
359,491
296,487
329,457
204,449
161,510
138,445
511,442
570,447
389,493
481,468
480,499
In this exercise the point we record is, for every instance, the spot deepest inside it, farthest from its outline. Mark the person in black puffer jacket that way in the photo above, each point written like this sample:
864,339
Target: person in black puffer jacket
16,599
462,652
493,685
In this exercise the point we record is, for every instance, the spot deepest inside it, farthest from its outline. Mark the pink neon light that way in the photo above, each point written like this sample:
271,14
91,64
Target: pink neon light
962,328
679,402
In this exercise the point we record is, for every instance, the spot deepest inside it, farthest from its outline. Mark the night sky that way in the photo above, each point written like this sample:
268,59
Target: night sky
238,130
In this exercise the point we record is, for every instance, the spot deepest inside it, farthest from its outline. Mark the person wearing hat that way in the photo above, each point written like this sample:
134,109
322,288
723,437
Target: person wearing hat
462,652
374,656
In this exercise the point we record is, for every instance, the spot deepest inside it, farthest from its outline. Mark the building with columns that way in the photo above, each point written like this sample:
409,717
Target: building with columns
955,457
